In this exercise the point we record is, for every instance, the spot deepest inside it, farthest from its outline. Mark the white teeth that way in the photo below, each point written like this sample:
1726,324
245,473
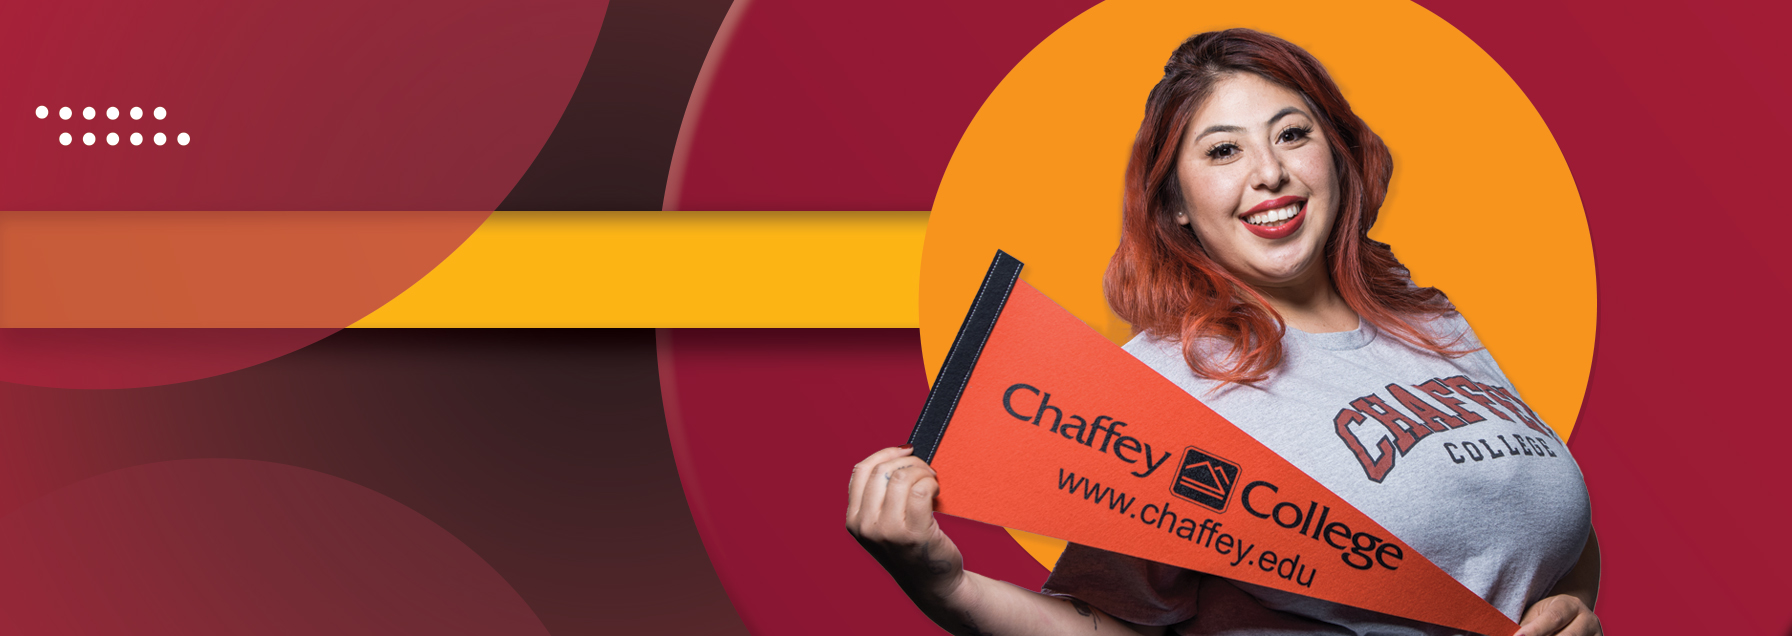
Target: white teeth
1274,216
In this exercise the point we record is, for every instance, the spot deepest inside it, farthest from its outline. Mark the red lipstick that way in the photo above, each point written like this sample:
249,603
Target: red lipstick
1280,231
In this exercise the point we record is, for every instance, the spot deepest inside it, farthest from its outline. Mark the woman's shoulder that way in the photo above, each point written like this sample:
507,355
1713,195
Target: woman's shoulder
1454,332
1450,329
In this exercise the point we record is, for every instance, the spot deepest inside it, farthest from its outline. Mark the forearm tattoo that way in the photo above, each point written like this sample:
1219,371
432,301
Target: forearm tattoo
936,567
1083,608
971,627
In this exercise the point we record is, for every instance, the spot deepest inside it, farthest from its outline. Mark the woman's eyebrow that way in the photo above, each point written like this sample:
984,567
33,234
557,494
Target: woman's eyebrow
1221,128
1286,112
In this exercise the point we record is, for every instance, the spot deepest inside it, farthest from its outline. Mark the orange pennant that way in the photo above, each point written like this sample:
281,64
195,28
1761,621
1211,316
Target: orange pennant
1036,422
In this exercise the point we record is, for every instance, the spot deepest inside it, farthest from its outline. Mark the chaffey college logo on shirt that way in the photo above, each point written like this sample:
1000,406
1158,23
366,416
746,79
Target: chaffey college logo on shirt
1408,419
1205,479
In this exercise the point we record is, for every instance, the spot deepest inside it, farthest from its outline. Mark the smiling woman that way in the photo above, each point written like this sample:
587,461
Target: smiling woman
1280,182
1247,273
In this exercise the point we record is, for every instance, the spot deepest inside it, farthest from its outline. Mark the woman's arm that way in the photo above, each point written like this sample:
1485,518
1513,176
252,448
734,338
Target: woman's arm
987,607
890,511
1568,610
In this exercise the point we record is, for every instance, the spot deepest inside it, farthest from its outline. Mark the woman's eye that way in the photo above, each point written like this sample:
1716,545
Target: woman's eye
1295,134
1222,151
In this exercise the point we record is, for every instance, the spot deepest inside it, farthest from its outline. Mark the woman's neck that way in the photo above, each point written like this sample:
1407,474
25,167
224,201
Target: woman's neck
1313,306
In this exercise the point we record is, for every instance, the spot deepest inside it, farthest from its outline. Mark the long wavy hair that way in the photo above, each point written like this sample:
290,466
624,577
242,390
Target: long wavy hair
1163,281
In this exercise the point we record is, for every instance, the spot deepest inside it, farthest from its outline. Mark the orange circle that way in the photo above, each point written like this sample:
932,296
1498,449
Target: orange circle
1482,204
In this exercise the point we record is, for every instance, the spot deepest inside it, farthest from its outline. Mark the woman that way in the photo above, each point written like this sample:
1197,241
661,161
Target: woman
1245,267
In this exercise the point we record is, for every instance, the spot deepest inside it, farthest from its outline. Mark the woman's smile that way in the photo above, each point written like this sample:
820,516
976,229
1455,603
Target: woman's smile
1275,218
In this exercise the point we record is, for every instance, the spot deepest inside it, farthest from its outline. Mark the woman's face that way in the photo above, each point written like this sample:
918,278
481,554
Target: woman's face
1258,183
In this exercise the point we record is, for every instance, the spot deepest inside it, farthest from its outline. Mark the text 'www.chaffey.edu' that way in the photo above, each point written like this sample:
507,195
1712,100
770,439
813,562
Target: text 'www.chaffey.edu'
1207,534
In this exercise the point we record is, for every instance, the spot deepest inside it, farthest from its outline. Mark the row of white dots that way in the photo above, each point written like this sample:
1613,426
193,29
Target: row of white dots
43,112
112,139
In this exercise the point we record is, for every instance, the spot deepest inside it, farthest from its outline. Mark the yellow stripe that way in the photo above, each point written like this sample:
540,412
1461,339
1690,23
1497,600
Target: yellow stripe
673,269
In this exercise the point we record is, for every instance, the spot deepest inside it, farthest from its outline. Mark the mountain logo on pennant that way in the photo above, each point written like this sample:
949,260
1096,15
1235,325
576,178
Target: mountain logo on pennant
1038,423
1205,479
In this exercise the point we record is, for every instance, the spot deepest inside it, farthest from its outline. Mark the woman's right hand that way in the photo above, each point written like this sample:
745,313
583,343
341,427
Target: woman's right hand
889,510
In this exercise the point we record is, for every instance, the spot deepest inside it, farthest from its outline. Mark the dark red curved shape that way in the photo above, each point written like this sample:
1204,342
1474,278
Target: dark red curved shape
226,546
544,451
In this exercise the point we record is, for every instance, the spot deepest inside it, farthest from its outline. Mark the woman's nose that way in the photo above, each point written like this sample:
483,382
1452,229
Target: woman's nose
1269,173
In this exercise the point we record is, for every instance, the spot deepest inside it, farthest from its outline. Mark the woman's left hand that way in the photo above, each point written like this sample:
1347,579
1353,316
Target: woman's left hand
1563,615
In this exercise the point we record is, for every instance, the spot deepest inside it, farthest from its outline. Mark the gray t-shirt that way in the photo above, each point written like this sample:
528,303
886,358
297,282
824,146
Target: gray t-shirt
1440,451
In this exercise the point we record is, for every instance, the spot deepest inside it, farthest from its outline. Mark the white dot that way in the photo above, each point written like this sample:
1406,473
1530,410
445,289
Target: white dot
111,139
161,139
43,111
87,139
136,113
87,113
111,112
66,113
136,139
183,139
66,139
161,112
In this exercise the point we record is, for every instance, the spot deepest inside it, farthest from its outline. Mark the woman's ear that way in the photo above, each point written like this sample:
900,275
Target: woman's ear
1182,218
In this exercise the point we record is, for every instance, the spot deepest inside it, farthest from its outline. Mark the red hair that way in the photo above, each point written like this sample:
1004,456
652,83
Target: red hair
1162,280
